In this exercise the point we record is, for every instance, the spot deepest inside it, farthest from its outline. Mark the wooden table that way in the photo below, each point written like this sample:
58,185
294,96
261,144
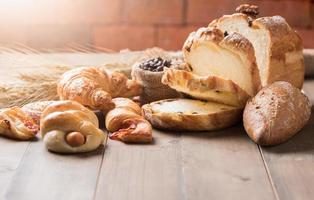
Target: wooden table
209,165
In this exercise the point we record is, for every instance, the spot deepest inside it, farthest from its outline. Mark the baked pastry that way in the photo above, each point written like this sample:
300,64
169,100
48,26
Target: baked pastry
69,127
35,109
126,123
276,113
95,88
210,52
211,88
190,115
149,74
16,124
278,48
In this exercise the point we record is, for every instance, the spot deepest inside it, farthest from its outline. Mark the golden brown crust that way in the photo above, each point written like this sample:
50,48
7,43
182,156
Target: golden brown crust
177,121
63,117
126,123
210,88
285,49
94,88
276,113
16,124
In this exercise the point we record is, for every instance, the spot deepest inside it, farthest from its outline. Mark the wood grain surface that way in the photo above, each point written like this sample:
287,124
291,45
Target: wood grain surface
208,165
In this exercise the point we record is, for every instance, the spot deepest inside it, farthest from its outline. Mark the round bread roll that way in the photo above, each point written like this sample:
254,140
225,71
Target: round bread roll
276,113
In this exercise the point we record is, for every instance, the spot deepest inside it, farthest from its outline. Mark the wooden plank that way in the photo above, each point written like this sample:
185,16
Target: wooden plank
224,165
44,175
290,165
11,155
309,62
142,171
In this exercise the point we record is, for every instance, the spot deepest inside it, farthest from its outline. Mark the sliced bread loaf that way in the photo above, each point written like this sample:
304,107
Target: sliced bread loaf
278,48
210,52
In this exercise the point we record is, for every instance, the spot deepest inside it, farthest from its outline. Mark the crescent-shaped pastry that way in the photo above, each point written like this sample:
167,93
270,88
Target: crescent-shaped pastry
95,88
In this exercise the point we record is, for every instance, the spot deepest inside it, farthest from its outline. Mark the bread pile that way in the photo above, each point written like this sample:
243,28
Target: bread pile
70,125
236,57
239,62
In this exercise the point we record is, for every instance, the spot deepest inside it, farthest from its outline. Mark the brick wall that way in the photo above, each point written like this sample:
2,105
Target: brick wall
134,24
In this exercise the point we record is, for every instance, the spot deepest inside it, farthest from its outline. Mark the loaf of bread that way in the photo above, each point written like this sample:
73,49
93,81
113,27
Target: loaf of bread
276,113
210,52
278,48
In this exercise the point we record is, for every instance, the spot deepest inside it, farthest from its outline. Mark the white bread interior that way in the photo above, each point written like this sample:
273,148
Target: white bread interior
231,57
211,88
190,115
278,49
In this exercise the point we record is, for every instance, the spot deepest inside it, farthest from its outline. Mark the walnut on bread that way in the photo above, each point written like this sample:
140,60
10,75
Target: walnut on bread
276,113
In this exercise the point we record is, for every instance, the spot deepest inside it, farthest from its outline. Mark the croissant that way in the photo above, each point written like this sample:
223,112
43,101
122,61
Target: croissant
16,124
95,88
125,122
69,127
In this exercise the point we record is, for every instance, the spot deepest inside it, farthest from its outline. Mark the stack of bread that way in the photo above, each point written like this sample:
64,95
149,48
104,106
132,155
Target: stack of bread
239,62
236,57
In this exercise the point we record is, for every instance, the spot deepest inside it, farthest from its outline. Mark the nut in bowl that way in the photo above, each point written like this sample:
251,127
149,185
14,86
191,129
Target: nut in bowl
149,73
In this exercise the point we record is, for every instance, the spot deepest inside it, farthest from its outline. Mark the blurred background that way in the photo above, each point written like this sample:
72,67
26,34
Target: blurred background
133,24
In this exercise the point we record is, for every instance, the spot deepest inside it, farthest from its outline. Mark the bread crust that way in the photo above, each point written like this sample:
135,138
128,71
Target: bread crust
276,113
219,90
234,42
285,44
190,122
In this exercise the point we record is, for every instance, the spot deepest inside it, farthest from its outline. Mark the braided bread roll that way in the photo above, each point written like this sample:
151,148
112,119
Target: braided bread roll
16,124
126,123
95,88
69,127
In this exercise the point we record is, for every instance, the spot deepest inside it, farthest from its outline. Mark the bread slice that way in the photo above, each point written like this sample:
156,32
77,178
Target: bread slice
210,52
278,49
190,115
211,88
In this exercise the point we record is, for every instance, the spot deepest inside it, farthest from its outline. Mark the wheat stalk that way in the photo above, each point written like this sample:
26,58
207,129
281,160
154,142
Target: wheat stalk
32,87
